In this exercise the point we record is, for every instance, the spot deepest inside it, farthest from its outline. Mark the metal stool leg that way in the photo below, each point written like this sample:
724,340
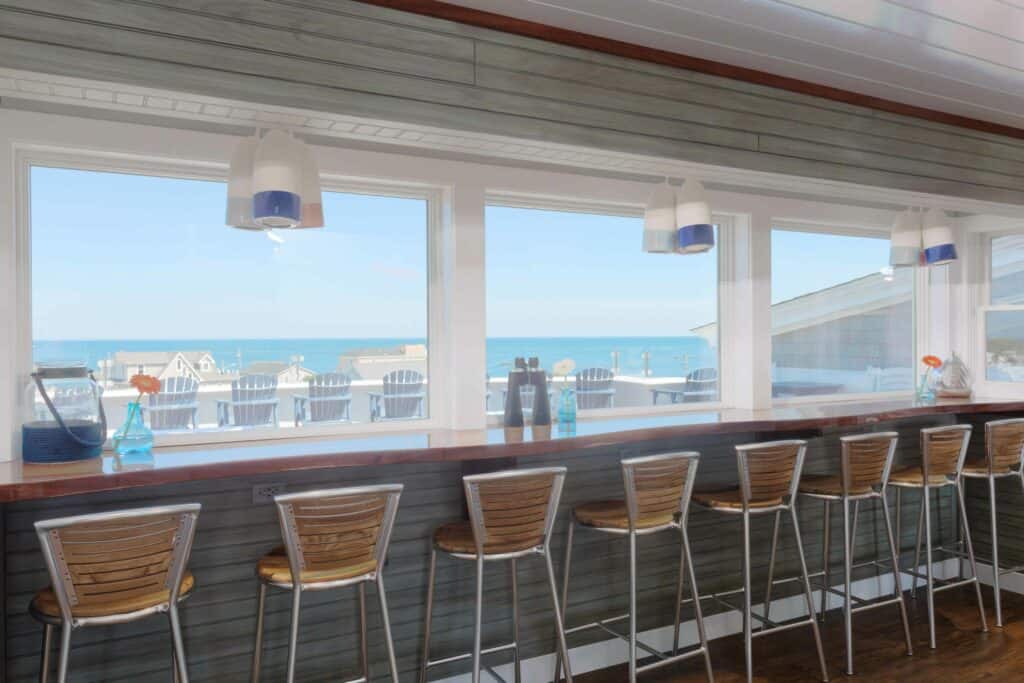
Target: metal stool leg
364,646
558,616
923,511
65,652
807,592
679,597
970,552
174,665
995,549
44,655
179,644
478,617
826,554
926,511
748,641
517,663
847,599
899,523
897,583
767,608
293,635
386,621
632,607
565,591
698,615
429,611
257,652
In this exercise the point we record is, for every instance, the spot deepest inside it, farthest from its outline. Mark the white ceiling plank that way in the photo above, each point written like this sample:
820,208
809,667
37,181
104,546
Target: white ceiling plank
964,58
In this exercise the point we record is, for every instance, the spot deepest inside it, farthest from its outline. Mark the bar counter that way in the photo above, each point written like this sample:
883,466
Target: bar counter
183,464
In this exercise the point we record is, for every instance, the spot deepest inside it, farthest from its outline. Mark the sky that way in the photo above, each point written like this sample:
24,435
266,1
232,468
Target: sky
119,256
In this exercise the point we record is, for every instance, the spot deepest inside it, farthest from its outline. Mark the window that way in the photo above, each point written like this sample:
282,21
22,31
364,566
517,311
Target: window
1003,317
842,319
577,285
128,271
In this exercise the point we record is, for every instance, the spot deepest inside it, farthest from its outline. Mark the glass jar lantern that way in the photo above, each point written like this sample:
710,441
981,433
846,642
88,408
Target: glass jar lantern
63,418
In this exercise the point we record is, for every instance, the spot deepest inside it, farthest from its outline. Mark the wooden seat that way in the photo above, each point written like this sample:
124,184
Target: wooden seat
979,468
613,514
513,512
732,499
913,476
45,601
828,485
336,538
114,567
274,568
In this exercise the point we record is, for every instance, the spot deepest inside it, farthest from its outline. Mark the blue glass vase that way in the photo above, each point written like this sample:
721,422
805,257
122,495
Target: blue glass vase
567,411
133,436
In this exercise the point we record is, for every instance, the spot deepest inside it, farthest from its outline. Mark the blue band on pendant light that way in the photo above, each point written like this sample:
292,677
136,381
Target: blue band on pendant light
939,254
276,206
696,238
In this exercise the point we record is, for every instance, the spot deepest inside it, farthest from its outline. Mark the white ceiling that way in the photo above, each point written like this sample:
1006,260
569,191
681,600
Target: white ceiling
960,56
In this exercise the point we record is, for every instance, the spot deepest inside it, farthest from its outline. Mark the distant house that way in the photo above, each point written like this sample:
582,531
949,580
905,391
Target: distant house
286,373
375,363
199,365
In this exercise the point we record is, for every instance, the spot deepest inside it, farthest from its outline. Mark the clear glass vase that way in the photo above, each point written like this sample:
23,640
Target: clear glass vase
567,411
133,436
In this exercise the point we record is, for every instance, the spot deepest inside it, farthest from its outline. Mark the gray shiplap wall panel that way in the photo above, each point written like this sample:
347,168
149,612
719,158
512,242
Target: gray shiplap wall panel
346,57
233,533
344,49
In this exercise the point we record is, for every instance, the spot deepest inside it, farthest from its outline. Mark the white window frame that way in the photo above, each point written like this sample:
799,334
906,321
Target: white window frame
977,359
921,294
726,299
26,156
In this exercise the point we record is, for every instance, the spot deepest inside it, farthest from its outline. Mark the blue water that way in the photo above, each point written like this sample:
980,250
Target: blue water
668,355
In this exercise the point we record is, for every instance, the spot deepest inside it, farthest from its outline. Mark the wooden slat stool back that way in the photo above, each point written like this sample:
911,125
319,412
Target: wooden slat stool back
943,451
658,490
511,515
865,461
332,539
1004,447
111,568
769,476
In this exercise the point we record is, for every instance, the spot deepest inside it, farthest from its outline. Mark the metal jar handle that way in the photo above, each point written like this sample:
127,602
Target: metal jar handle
87,443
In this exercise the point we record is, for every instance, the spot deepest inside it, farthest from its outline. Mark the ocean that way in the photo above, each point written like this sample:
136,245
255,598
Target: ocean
668,356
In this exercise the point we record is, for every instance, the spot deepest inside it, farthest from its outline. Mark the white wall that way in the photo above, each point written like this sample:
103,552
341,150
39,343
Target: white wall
458,358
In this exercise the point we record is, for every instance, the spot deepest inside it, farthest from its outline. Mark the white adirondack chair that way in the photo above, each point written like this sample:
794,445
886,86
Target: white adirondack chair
253,403
594,388
329,399
402,398
176,407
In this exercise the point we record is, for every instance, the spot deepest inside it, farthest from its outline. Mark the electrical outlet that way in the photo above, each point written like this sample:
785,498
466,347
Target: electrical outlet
264,493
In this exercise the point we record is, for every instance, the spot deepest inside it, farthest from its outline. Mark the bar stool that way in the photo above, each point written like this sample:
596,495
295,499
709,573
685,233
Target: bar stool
511,515
658,490
112,568
1004,443
943,450
769,475
865,462
332,539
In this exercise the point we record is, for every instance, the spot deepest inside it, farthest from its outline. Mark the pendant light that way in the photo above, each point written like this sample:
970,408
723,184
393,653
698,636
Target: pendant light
277,181
239,205
660,221
905,242
312,201
693,219
939,246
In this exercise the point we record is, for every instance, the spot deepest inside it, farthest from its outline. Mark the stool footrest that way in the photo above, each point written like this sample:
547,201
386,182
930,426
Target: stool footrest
468,655
664,661
662,657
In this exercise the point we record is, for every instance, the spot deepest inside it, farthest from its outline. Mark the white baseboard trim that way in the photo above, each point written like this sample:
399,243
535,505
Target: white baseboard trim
607,653
1013,583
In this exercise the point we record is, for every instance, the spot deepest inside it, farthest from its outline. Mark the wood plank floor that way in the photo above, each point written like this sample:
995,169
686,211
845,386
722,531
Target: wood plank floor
964,653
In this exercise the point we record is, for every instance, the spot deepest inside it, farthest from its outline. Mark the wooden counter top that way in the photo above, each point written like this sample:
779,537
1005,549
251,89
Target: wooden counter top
172,465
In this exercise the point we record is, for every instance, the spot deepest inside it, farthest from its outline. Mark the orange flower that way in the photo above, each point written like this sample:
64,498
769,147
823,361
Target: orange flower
146,384
932,361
